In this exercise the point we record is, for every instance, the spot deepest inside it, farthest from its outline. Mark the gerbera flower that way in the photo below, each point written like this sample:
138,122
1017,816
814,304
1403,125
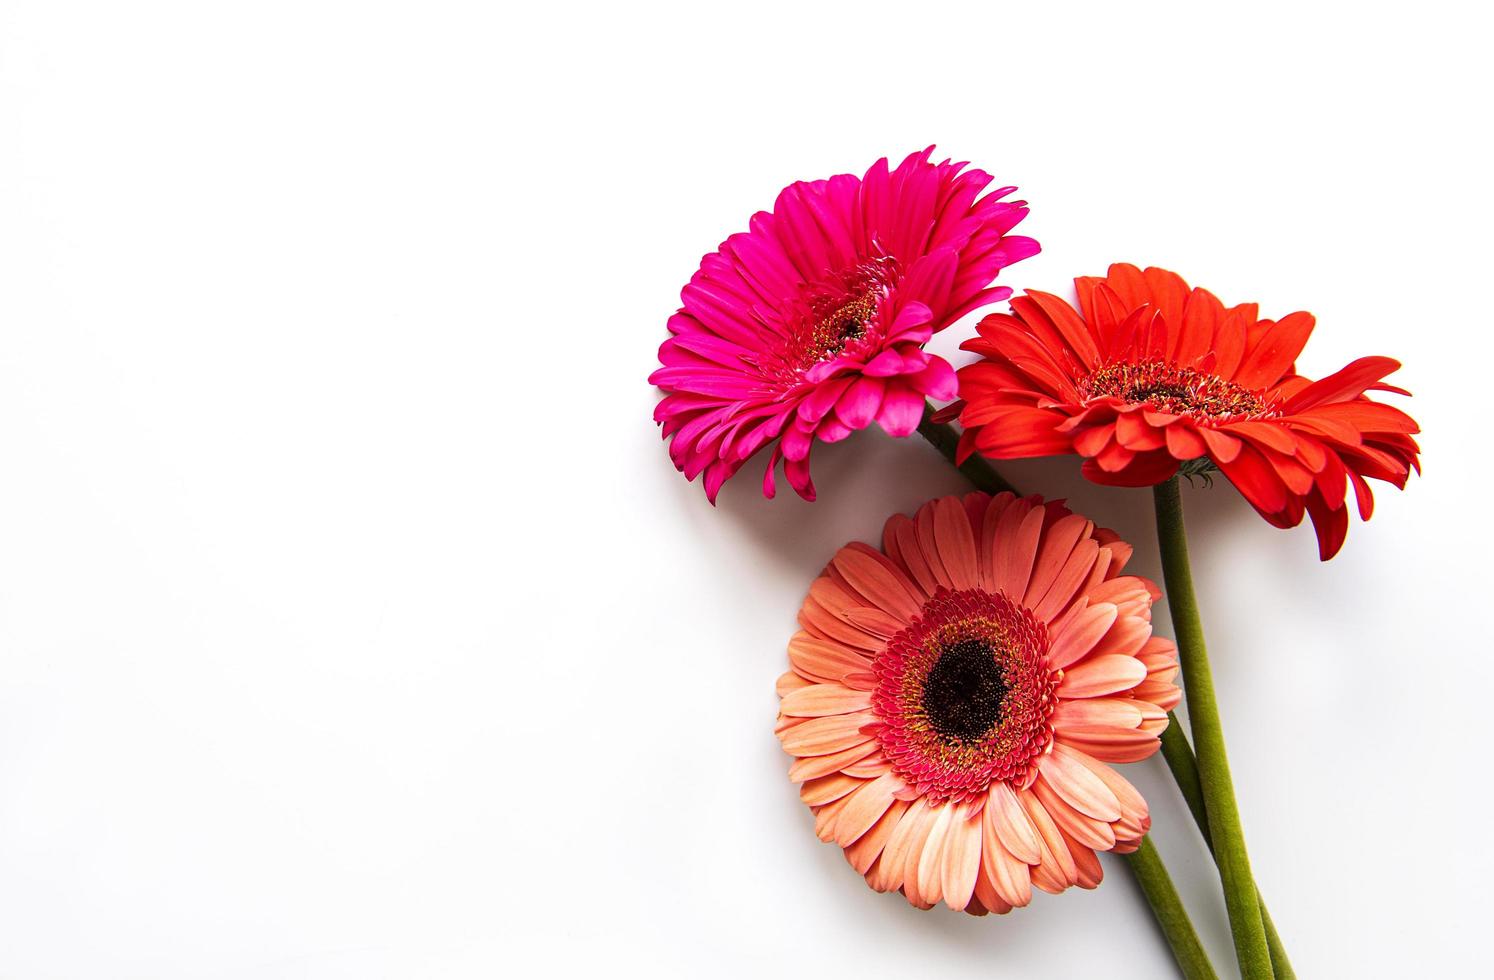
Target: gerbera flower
811,324
1149,374
955,699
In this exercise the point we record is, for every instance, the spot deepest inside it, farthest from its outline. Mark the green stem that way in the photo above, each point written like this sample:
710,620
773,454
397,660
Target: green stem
1240,896
1146,864
1179,756
943,437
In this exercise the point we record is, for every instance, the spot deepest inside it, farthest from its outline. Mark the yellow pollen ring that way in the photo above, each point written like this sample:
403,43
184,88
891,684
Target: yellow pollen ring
1177,390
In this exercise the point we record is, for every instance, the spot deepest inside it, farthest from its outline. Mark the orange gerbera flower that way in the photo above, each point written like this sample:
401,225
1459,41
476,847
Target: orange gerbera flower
955,697
1149,374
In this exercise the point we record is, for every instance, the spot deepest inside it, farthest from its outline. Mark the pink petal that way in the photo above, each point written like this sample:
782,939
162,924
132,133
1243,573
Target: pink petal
859,405
902,410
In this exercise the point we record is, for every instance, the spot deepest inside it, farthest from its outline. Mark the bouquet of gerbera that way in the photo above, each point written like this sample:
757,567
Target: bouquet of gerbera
957,698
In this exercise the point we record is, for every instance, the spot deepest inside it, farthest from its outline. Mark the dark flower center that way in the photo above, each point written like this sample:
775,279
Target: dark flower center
964,695
1176,390
964,692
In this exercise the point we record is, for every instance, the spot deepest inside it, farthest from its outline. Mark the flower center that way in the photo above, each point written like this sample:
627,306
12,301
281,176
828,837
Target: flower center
964,695
840,325
1176,390
840,311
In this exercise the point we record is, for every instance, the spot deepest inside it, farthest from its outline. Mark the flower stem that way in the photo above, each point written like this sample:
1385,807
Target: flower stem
1179,756
943,437
1223,815
1146,864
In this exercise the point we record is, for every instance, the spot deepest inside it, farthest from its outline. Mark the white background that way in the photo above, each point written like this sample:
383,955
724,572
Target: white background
353,622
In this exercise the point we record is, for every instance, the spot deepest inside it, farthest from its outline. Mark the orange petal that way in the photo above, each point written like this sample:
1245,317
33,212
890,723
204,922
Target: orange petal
829,594
914,856
790,681
1084,829
822,736
874,621
901,536
1128,593
1070,578
815,618
824,819
821,659
865,807
985,893
1110,743
1136,819
873,765
1020,532
1125,638
1080,634
1010,824
930,883
811,767
907,837
1088,863
877,580
956,542
1079,787
961,864
928,543
1116,712
1056,871
865,850
1101,675
828,789
818,700
1011,877
1058,543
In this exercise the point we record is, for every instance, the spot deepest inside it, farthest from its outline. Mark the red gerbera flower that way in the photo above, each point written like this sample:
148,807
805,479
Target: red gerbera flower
811,325
1149,374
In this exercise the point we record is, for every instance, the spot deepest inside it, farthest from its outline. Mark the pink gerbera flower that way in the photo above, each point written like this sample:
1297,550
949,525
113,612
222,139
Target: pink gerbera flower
811,324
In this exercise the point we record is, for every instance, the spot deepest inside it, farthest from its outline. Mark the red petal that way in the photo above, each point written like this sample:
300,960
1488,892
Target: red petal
1184,442
1343,385
1331,526
1276,352
1144,471
1256,479
1229,339
1223,447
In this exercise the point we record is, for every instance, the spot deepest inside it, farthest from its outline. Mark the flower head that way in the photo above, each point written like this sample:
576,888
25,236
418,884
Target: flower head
1148,374
955,697
811,324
